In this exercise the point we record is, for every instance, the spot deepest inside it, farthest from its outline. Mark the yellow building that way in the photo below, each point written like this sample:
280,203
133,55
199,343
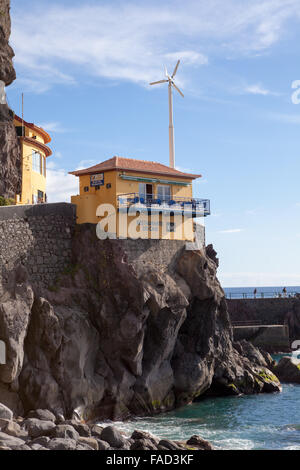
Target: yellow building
34,152
158,197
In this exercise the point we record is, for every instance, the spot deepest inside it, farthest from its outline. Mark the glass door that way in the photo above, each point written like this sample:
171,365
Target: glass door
164,193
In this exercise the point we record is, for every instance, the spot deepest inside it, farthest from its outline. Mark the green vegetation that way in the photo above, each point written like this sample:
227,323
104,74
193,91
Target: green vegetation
233,388
267,377
6,202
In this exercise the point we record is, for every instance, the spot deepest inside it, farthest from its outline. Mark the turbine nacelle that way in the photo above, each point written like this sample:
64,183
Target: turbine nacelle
170,79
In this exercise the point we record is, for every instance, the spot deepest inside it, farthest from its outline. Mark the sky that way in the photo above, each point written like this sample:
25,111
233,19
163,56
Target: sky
85,66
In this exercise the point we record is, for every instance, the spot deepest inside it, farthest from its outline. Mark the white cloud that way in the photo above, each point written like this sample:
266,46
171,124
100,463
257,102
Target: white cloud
86,164
60,185
52,127
131,40
232,230
257,90
188,57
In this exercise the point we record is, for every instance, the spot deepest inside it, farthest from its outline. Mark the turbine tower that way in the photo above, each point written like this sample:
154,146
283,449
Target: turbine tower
170,81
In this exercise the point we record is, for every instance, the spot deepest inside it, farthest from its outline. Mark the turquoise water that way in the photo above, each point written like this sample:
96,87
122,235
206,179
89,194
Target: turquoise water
265,421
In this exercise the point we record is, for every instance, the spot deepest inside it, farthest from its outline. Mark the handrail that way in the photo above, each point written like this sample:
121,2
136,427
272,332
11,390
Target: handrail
261,295
170,202
256,323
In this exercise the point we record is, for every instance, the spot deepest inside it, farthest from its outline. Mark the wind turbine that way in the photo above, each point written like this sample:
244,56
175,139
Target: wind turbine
170,81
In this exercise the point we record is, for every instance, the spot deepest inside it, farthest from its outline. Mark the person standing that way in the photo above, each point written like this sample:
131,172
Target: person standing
284,292
255,292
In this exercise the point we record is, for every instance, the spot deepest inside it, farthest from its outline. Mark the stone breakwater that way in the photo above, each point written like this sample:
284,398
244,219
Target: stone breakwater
42,430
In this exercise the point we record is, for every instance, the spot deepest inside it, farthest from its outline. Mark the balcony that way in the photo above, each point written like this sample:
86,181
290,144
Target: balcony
188,206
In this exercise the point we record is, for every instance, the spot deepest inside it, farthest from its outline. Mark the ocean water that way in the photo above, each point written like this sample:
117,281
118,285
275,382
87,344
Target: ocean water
248,422
266,292
265,421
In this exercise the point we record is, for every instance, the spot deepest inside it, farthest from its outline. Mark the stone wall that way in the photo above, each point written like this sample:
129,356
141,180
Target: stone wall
271,338
39,237
266,311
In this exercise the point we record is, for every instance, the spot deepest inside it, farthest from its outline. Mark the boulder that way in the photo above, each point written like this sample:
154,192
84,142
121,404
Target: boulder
114,438
82,429
36,427
62,444
96,430
14,429
171,445
144,435
65,431
288,370
199,443
5,412
36,447
42,441
89,441
103,445
83,447
143,444
44,415
10,441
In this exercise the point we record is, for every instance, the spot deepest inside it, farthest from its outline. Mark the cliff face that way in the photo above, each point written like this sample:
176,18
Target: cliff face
10,159
131,328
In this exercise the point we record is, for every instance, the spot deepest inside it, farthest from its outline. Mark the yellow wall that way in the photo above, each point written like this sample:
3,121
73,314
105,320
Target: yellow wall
31,180
87,202
125,186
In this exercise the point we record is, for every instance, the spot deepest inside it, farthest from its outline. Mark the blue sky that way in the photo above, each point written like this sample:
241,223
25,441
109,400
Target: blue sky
84,67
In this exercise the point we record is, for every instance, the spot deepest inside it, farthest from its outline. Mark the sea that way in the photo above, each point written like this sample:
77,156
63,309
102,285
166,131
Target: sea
249,422
261,292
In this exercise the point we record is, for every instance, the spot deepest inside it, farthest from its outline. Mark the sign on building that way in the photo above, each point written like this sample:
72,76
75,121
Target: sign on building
97,180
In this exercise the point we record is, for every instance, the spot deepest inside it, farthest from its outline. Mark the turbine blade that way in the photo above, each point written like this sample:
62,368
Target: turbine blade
178,89
176,67
159,81
166,72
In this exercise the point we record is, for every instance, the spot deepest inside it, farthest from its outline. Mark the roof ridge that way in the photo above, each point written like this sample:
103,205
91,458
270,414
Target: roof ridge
133,164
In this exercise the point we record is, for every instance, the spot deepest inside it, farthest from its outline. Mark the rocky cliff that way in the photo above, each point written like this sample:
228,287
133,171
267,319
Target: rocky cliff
130,328
10,159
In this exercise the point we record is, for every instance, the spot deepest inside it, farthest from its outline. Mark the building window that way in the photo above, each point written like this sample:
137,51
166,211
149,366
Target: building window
43,160
86,189
146,191
142,190
40,197
36,162
164,192
170,227
20,131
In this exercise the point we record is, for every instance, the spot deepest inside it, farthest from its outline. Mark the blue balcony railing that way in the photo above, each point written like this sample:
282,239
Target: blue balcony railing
198,207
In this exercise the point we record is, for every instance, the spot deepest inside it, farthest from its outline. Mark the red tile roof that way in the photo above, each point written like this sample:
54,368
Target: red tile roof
35,128
137,166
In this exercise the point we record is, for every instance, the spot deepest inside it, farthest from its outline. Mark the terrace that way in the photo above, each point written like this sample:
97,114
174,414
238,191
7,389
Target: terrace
189,206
